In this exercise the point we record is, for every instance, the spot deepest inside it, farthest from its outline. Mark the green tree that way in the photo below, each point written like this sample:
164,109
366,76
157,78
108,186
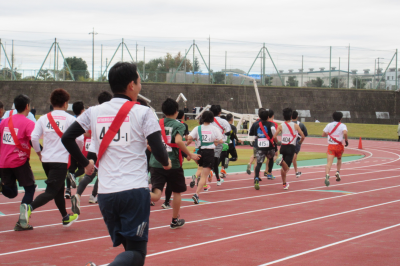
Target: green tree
292,82
268,80
46,74
335,82
78,67
196,65
315,83
6,74
219,77
359,83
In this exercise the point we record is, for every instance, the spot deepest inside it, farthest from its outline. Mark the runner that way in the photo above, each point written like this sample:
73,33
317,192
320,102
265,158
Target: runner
224,127
289,135
1,111
224,159
253,158
295,115
209,136
124,198
172,132
78,108
268,173
335,132
54,158
234,139
264,132
90,151
15,150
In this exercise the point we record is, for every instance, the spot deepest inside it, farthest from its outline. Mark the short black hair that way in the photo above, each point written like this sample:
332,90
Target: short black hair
229,117
1,105
180,114
295,114
142,102
77,107
270,113
120,75
20,102
207,117
260,110
337,116
104,96
224,117
169,106
287,113
59,97
264,115
215,109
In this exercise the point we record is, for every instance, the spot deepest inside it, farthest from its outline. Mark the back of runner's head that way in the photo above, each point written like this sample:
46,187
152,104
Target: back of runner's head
104,96
142,102
224,117
215,109
264,115
295,114
270,113
229,117
181,113
207,117
78,107
21,102
201,120
1,106
59,97
260,110
337,116
121,75
287,114
170,107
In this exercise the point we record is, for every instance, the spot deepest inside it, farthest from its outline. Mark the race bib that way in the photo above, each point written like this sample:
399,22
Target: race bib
287,138
88,142
123,136
7,137
331,141
206,136
168,131
263,143
60,121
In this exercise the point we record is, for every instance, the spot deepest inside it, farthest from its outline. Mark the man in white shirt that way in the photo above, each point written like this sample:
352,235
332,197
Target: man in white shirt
54,158
123,196
335,132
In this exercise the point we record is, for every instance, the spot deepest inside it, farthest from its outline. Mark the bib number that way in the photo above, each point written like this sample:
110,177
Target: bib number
7,137
263,143
122,138
60,121
206,136
331,141
286,138
88,142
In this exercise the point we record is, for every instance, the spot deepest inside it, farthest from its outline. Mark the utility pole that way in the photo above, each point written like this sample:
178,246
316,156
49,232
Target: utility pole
225,65
263,75
144,63
122,56
106,64
302,69
330,66
185,67
348,69
55,58
93,33
12,60
136,53
194,45
339,75
209,59
101,64
379,83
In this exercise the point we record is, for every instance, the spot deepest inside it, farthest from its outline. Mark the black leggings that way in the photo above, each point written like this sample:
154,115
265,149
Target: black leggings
72,169
224,155
87,179
12,192
168,193
134,255
398,139
258,167
55,173
216,163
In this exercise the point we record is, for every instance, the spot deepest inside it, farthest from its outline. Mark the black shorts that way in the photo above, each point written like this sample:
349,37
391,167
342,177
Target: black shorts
22,173
207,158
126,214
287,152
173,177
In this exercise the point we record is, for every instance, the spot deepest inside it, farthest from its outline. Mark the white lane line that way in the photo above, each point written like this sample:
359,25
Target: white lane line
330,245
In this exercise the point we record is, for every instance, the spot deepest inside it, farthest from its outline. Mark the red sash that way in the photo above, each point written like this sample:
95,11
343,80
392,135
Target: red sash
265,133
333,130
291,132
58,131
216,122
14,136
172,145
115,126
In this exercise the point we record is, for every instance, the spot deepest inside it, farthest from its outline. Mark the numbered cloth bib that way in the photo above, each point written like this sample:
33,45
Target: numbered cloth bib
264,142
60,121
122,136
168,143
10,136
332,138
205,137
55,128
88,142
288,138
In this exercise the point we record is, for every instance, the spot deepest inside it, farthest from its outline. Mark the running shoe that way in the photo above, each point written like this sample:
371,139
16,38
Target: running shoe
286,187
193,181
338,176
166,205
152,203
25,212
67,194
90,264
223,173
226,164
71,178
210,176
248,171
298,174
93,199
179,223
265,173
327,183
219,182
195,198
18,227
270,176
207,188
279,159
70,219
256,183
76,204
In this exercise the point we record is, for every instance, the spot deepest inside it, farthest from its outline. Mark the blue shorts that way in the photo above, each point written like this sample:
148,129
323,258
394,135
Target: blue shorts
126,214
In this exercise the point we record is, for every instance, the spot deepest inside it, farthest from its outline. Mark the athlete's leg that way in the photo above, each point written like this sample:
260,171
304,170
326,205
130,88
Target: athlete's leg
10,191
60,201
216,171
329,164
204,174
95,188
339,164
168,193
295,162
176,205
284,170
134,255
29,194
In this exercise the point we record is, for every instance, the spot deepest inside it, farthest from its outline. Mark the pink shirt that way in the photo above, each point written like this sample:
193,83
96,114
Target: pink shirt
10,155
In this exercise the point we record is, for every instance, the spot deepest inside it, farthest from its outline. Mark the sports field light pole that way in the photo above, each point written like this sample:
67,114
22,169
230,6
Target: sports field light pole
330,66
396,72
93,33
348,69
383,74
6,58
377,71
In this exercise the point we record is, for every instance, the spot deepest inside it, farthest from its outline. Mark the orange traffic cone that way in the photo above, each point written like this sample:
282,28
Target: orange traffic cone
360,144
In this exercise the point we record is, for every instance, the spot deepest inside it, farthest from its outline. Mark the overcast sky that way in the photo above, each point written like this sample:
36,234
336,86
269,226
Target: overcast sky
174,23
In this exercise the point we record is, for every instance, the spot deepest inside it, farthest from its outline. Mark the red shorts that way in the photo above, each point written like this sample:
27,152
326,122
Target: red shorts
336,150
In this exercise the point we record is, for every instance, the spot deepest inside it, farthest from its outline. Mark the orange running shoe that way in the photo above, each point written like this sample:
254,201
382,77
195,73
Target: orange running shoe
210,176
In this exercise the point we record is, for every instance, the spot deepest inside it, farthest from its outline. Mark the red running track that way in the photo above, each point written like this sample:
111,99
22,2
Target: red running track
353,222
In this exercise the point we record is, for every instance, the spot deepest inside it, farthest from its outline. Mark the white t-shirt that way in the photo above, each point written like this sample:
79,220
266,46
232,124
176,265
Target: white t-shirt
124,164
337,134
224,124
287,137
53,149
209,134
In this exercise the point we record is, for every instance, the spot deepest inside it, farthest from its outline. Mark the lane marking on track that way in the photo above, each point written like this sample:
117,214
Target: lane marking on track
334,191
330,245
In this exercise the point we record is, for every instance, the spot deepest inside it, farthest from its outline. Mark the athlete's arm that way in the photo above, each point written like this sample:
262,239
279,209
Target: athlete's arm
189,140
345,138
277,133
182,146
296,126
69,141
36,134
158,149
324,134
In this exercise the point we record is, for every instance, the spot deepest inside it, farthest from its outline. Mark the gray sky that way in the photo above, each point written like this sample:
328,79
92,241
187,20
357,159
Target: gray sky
305,27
